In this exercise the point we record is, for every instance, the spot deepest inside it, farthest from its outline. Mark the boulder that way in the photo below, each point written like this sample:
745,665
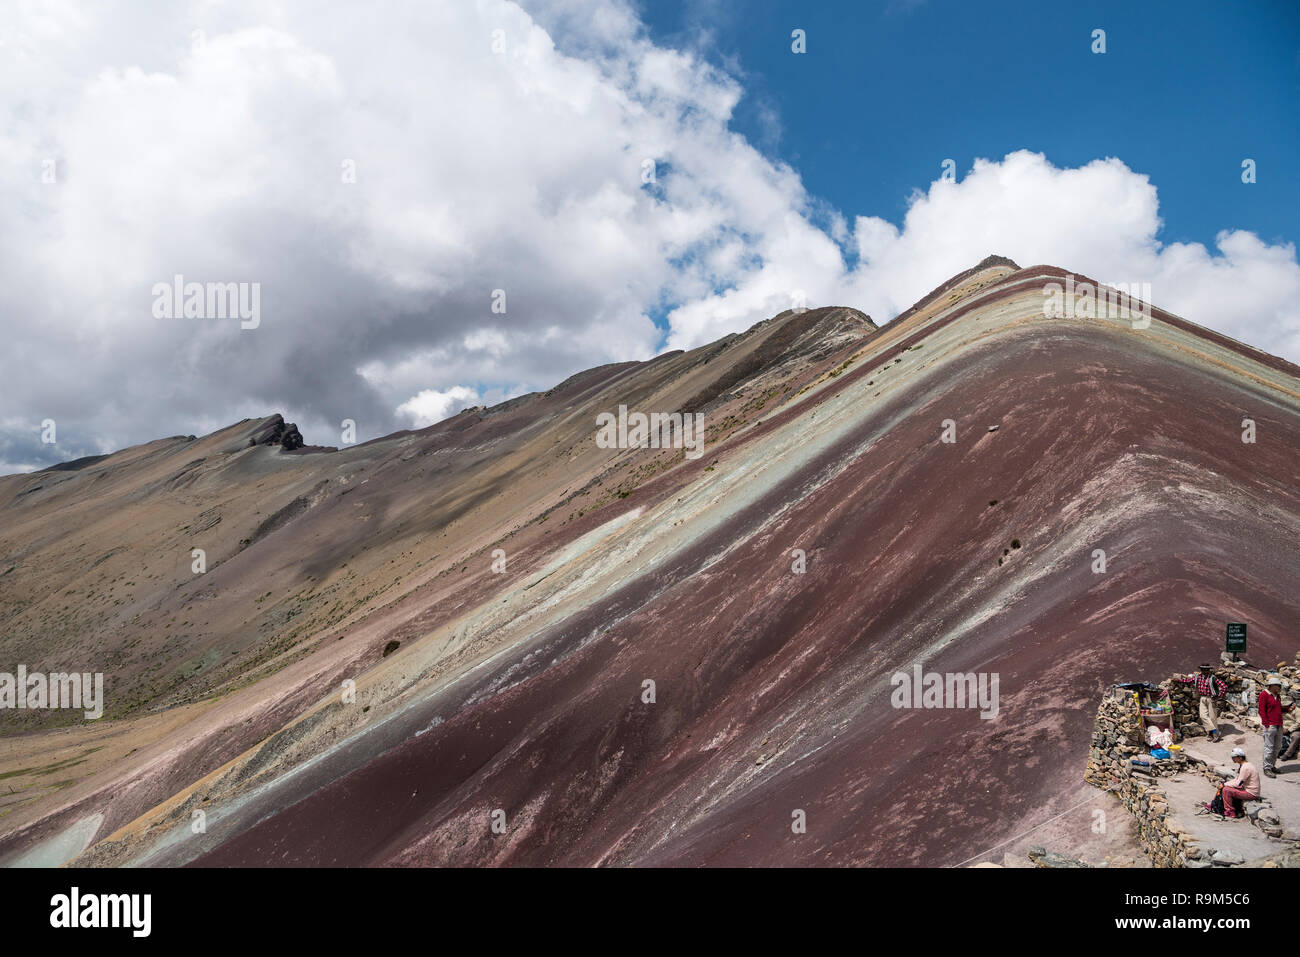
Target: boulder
1044,858
1226,858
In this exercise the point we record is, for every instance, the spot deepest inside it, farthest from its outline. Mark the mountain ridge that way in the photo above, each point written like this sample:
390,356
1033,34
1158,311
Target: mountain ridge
836,451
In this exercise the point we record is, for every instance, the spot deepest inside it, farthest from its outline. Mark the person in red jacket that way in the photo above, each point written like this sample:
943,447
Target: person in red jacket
1270,715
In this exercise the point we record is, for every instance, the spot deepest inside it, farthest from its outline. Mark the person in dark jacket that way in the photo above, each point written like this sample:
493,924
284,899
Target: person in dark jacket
1210,692
1291,726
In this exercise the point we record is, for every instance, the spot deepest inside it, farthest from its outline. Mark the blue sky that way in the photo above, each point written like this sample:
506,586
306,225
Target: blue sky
887,90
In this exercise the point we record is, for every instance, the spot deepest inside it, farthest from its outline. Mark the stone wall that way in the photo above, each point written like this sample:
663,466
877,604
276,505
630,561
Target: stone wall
1116,741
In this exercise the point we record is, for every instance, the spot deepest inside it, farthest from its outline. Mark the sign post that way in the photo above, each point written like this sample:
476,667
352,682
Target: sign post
1236,642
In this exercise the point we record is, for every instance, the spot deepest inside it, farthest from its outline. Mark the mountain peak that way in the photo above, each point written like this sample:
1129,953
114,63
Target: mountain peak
848,502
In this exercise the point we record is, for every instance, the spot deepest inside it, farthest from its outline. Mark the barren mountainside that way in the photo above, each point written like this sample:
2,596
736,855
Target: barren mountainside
639,657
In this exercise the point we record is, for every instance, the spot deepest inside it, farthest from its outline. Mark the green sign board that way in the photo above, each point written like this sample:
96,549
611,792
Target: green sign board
1236,636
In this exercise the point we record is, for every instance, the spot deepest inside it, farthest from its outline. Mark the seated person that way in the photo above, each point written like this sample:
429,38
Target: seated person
1244,787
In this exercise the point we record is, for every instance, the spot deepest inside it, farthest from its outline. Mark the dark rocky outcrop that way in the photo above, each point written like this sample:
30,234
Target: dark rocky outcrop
278,432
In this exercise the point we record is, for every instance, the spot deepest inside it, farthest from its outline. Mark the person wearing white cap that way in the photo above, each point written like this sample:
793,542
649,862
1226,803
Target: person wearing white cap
1244,787
1271,710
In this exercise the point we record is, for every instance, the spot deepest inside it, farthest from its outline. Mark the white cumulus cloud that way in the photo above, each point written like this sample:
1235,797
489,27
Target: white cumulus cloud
1101,220
384,177
432,405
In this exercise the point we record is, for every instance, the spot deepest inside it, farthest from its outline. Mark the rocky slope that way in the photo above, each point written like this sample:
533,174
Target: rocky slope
519,697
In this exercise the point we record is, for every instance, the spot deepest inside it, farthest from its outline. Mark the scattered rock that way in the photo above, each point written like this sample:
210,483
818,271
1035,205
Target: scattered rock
1044,858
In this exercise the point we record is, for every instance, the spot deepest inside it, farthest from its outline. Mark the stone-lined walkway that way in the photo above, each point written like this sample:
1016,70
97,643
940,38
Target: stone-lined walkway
1242,842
